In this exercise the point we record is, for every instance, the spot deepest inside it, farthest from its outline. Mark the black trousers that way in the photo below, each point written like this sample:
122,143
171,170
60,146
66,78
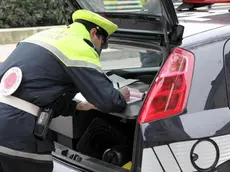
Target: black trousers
17,164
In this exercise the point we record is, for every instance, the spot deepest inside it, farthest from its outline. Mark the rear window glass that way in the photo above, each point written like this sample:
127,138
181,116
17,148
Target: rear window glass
122,6
123,58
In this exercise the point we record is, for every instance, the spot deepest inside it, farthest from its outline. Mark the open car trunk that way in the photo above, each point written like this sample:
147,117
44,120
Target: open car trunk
104,142
92,140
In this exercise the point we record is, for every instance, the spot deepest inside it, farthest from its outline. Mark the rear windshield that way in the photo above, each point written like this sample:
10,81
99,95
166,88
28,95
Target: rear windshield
125,57
150,7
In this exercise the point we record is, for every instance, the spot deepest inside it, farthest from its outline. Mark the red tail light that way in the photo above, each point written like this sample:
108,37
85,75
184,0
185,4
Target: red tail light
169,92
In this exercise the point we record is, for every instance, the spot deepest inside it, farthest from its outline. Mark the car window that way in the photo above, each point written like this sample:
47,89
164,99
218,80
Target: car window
226,53
118,58
122,6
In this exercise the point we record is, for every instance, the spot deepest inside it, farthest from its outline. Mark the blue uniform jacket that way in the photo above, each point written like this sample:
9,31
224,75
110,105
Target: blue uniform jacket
45,78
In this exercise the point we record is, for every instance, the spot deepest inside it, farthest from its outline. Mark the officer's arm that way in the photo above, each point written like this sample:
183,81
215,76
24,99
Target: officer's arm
97,89
65,106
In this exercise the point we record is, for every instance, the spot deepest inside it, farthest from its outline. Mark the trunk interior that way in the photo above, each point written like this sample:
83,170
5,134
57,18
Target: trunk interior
103,142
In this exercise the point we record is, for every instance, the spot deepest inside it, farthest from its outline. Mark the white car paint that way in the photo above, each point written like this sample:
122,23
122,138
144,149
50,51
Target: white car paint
58,167
181,150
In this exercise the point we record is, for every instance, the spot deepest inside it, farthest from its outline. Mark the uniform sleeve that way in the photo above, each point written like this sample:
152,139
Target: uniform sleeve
65,106
97,89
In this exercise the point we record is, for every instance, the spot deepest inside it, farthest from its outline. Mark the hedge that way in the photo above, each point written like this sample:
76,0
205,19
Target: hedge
30,13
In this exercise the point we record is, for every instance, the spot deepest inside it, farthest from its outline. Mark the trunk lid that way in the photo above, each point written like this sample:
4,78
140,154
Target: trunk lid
144,21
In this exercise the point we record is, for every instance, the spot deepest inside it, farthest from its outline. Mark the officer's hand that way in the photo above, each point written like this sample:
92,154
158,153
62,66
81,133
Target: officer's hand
85,106
125,92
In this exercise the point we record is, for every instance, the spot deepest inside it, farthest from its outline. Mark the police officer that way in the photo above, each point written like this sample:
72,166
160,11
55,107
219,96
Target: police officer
53,63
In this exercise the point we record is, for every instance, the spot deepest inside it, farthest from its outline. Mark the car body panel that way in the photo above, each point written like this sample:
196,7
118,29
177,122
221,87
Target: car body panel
207,117
219,17
205,123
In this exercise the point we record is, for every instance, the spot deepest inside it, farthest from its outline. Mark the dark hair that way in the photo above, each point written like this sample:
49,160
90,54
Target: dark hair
89,25
100,31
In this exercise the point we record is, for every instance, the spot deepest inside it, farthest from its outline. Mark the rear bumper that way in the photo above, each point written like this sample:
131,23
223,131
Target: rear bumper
60,167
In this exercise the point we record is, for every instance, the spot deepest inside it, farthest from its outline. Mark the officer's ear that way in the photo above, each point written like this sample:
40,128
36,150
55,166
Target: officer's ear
93,32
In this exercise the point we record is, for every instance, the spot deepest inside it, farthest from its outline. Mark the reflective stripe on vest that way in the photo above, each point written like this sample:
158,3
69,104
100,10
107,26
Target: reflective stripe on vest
40,157
63,58
67,45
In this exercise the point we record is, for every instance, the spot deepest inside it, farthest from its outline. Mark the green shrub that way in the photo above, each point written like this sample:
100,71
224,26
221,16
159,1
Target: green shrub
30,13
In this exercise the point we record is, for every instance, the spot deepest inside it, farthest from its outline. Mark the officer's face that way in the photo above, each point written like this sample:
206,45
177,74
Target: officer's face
96,40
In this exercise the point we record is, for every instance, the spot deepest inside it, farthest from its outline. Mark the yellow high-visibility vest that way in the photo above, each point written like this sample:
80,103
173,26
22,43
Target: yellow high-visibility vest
67,45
